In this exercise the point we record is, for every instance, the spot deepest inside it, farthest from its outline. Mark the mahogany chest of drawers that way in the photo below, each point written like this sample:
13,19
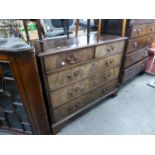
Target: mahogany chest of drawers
22,108
140,33
75,75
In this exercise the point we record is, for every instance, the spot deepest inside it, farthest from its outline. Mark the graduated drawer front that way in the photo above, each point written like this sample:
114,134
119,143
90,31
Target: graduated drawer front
68,58
102,64
75,105
150,28
135,57
106,76
150,38
64,77
134,70
63,95
109,48
138,30
71,91
136,44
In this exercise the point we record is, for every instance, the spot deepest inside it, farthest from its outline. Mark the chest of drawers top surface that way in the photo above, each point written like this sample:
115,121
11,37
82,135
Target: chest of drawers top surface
140,21
62,44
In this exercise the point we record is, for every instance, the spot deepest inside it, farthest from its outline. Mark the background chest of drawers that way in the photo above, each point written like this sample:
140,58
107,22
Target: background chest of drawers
22,108
76,75
140,33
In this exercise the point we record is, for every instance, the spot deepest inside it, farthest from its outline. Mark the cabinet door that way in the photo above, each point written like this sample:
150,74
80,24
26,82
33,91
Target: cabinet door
14,115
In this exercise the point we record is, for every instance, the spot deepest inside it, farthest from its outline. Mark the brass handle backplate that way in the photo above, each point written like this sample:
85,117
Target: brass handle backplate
139,31
74,59
109,62
73,75
75,91
110,48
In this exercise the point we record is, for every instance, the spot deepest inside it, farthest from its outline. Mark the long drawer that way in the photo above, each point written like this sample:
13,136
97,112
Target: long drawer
150,28
109,48
135,57
134,70
75,105
68,58
71,91
65,77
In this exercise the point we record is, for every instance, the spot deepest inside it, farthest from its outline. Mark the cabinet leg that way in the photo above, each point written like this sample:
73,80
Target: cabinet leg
56,130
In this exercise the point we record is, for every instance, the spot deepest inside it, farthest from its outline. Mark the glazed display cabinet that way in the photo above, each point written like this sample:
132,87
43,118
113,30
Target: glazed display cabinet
22,108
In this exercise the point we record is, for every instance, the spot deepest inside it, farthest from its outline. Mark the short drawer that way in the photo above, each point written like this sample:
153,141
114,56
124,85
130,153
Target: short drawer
62,78
75,105
138,30
134,70
104,89
68,58
71,91
136,44
149,39
109,48
150,28
102,64
103,77
135,57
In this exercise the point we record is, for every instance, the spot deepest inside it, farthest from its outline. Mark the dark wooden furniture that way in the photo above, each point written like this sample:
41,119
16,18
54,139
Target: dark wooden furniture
22,108
76,75
140,33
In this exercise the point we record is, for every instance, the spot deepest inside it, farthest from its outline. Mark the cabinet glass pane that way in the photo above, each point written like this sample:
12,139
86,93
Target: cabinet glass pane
12,112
